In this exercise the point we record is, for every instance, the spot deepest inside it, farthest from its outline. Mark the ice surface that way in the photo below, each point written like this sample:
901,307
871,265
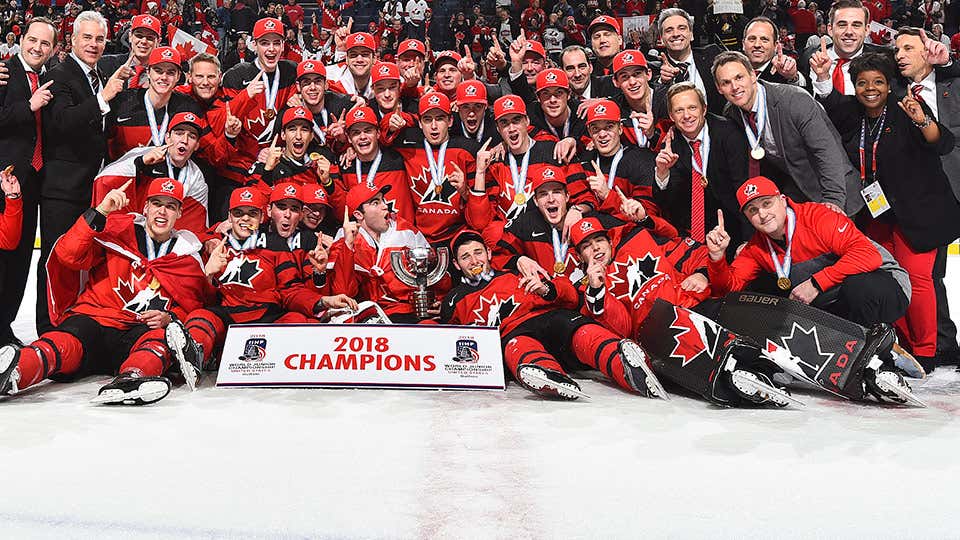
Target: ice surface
258,463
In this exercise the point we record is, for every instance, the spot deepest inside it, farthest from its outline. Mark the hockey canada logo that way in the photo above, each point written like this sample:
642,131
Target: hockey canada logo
548,174
320,195
254,350
431,193
246,195
750,189
468,352
551,77
166,54
600,109
434,100
136,300
586,226
300,113
360,39
628,57
384,69
470,90
189,117
494,310
270,25
148,21
636,274
308,66
508,104
167,187
359,114
290,191
241,271
698,336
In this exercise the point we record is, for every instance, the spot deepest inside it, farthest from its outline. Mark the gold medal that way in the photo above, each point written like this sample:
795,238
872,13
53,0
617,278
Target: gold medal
154,284
757,153
270,114
519,199
315,156
559,267
783,283
703,181
437,189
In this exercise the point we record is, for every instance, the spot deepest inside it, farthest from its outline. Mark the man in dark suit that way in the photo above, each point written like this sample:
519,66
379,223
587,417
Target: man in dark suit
75,140
766,54
791,139
584,83
942,95
682,62
21,147
700,168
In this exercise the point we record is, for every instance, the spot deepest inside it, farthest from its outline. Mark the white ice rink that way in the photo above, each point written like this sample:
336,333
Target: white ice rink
234,463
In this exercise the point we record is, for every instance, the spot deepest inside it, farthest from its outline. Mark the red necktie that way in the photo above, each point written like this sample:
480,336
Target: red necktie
37,161
839,81
697,228
915,90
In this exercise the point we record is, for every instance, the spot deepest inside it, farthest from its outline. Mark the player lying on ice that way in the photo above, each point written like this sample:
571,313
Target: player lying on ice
140,273
542,330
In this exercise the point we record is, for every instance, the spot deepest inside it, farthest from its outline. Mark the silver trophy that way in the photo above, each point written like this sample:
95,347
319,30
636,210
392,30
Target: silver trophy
420,267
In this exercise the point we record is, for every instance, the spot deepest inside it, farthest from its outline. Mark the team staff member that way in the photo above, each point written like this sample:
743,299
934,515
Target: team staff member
761,45
911,219
815,255
140,273
682,62
21,145
606,42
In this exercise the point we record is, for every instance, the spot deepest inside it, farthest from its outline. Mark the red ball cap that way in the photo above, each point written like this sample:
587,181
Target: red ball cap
472,91
603,109
361,115
756,187
285,190
148,22
434,100
552,78
164,55
245,196
185,118
311,67
535,47
509,104
628,58
313,194
384,71
297,113
452,57
549,173
166,187
584,229
359,39
362,193
412,45
267,26
602,21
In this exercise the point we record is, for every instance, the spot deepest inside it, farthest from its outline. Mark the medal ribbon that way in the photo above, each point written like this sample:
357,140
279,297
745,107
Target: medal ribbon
612,175
783,270
182,177
641,137
372,174
520,177
755,139
270,91
437,165
156,135
247,244
559,249
153,253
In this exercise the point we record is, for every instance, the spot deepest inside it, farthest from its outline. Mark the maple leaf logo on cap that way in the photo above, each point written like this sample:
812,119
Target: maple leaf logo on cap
308,66
628,57
320,195
551,77
246,195
471,90
167,187
189,117
148,21
433,100
167,54
549,173
751,189
269,25
586,226
299,112
384,69
359,38
600,109
358,114
508,104
290,190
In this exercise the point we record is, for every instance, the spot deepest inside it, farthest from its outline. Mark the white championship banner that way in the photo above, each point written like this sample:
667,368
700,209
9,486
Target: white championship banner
362,356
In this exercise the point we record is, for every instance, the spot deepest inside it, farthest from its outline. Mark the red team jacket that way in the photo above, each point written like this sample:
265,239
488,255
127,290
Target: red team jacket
11,223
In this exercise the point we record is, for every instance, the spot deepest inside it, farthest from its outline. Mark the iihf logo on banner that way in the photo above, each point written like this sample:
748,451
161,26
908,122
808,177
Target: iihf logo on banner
255,350
468,352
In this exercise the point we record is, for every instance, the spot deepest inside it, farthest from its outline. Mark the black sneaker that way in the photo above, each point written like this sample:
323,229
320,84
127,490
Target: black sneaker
189,353
9,375
130,389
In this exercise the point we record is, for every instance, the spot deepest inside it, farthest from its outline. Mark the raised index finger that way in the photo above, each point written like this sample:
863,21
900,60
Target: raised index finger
720,219
275,139
823,46
346,214
486,143
45,85
780,50
923,37
127,184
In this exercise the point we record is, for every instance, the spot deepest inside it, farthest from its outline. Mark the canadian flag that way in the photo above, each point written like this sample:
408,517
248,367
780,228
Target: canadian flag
187,45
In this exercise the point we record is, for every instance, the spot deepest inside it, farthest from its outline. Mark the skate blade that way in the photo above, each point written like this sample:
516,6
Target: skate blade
535,380
903,393
652,382
177,341
148,392
773,393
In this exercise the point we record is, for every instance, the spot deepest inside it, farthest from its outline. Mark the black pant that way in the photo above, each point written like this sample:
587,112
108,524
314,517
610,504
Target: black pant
56,218
947,347
15,264
105,349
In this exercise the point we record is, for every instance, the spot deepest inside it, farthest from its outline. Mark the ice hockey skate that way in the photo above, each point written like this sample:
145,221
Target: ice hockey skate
130,389
888,385
189,353
638,373
549,383
9,375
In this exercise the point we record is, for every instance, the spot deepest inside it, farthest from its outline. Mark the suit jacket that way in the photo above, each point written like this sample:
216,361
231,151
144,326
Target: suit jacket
810,146
726,171
18,131
75,142
803,64
948,110
703,58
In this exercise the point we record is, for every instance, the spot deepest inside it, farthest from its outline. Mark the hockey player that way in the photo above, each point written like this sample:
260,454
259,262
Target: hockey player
542,332
287,159
140,273
144,37
395,113
353,77
814,255
173,159
474,118
360,258
640,105
556,113
374,165
326,107
142,114
11,220
255,284
441,170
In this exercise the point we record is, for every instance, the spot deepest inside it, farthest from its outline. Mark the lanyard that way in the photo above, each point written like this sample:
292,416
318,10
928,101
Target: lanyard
559,249
704,152
612,175
520,177
783,270
876,140
156,135
182,177
153,253
437,165
270,90
755,138
372,174
641,137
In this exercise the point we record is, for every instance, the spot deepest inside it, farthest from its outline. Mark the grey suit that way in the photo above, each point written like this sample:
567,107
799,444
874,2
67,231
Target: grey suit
810,146
948,111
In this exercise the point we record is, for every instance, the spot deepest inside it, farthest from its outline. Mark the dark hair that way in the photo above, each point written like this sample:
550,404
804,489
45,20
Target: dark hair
761,19
727,57
845,4
464,237
909,31
872,62
44,20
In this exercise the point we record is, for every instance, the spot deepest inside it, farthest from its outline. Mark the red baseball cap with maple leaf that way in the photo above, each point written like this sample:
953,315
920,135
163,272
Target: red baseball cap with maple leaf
267,26
148,22
165,187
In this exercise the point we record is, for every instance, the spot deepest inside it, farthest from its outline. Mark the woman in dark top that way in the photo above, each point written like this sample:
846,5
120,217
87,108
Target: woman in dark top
911,209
